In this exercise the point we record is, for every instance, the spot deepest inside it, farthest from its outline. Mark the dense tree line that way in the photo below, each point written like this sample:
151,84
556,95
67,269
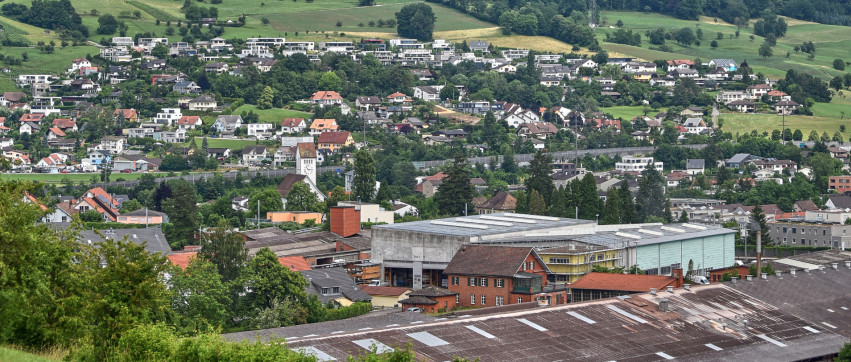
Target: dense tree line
739,11
49,14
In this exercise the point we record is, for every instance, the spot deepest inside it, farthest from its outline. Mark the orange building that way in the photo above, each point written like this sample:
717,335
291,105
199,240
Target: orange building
345,220
840,184
142,216
294,216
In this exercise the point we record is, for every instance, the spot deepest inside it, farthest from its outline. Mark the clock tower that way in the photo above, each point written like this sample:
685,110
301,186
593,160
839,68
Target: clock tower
305,160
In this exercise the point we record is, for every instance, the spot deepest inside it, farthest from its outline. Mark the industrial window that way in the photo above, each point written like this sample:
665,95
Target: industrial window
499,283
472,299
666,270
794,230
484,299
558,260
471,282
483,282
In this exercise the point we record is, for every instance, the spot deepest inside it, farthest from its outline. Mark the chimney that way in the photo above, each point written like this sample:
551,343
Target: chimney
835,266
345,220
678,274
663,305
821,267
750,278
652,291
735,280
670,289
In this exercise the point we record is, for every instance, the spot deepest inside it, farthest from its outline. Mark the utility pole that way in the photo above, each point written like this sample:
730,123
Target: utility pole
258,214
783,127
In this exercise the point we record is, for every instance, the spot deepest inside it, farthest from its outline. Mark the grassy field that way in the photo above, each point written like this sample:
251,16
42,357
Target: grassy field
9,354
273,115
31,33
56,178
831,42
39,62
629,112
224,143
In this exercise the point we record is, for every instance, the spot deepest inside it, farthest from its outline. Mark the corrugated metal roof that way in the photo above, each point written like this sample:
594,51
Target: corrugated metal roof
510,223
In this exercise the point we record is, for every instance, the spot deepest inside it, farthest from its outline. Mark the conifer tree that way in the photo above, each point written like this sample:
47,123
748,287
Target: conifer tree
455,191
612,212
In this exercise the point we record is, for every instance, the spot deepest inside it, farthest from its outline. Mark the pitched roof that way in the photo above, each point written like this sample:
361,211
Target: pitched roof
126,113
325,95
840,201
488,260
287,183
295,263
433,291
253,148
540,127
58,132
306,150
334,137
333,277
181,259
698,163
189,120
292,122
501,201
418,300
324,123
806,205
623,282
64,123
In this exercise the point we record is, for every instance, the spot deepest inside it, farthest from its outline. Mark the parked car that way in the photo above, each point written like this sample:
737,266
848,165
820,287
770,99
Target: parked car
414,309
126,170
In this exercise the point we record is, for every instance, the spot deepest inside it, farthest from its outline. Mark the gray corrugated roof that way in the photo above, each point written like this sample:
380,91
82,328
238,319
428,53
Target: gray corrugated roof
428,226
152,238
615,239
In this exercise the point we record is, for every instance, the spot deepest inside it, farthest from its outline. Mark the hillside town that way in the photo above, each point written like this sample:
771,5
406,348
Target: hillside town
447,196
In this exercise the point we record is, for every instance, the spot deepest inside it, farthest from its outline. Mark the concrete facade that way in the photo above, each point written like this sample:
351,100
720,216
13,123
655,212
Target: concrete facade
810,234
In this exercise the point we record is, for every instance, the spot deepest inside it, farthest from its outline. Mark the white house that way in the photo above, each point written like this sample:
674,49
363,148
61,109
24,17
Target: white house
227,123
259,130
637,164
429,93
168,116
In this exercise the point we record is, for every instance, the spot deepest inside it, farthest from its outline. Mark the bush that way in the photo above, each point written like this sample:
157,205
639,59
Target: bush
838,64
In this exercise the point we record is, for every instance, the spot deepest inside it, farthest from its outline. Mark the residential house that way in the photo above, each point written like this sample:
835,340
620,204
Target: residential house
743,106
321,125
216,67
333,285
500,202
485,275
254,154
113,144
324,98
168,116
695,166
398,98
293,125
739,160
367,102
756,91
135,163
143,217
838,202
451,133
54,133
260,130
786,107
694,125
202,103
637,164
538,130
680,64
840,184
386,296
729,65
98,200
729,96
227,124
428,93
478,45
333,141
189,122
186,87
219,153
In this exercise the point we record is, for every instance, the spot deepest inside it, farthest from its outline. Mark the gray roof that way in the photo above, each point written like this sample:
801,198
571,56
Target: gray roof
152,238
654,234
610,329
739,158
144,212
480,225
229,119
333,277
695,163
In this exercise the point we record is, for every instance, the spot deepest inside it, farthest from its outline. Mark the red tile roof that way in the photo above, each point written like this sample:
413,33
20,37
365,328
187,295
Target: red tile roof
488,260
126,113
324,123
181,259
58,132
189,120
32,117
623,282
35,201
294,263
64,123
292,122
323,95
334,137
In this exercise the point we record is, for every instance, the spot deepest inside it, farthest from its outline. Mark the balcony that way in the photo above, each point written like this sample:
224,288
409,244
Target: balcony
526,283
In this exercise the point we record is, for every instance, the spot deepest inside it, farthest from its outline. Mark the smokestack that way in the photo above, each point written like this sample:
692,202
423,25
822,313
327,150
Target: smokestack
759,251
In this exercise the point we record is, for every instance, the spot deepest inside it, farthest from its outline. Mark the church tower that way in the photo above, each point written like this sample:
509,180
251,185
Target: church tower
305,161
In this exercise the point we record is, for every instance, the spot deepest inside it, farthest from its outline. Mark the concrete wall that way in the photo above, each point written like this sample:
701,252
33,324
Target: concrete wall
707,253
406,249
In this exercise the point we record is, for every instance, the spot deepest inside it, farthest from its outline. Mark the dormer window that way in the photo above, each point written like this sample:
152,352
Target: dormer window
331,290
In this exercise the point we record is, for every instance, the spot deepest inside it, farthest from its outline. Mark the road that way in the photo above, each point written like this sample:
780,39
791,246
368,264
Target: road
521,158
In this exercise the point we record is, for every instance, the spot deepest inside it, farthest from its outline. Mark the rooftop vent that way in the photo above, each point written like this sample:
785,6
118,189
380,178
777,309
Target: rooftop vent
687,286
778,274
835,266
792,272
735,280
848,264
750,278
764,275
663,305
670,289
652,291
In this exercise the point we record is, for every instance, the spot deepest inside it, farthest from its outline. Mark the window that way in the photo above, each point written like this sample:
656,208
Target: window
471,282
472,299
324,291
519,300
558,260
335,290
499,283
499,301
483,282
794,230
457,298
784,230
445,304
456,280
484,299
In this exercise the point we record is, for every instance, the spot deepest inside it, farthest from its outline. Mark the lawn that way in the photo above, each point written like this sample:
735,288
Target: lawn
831,42
629,112
224,143
9,354
40,63
31,33
745,123
56,178
273,115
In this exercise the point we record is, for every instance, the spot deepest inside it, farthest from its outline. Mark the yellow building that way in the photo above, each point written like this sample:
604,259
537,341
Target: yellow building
294,216
385,297
571,262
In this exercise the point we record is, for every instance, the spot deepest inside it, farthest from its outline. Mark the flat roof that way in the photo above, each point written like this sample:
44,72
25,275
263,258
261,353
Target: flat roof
488,224
609,329
650,235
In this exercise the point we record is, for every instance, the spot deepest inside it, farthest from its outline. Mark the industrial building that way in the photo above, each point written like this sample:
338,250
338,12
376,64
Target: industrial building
414,254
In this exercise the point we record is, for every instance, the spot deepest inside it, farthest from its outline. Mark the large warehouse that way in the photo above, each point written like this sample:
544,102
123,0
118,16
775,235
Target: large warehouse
415,253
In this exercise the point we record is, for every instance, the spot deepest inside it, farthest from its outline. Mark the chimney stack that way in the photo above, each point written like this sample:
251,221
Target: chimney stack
735,280
750,278
777,273
345,220
663,305
764,275
678,274
848,264
792,272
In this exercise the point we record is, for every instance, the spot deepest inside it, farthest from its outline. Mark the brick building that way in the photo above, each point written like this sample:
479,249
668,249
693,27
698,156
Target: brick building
431,299
485,275
607,285
840,184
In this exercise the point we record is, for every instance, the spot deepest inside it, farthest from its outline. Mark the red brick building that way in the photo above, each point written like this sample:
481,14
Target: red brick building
431,299
485,276
607,285
840,184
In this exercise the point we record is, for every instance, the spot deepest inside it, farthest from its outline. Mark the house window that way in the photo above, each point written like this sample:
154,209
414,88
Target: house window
471,282
794,230
484,299
457,298
499,301
483,282
519,300
324,291
530,265
472,299
558,260
335,290
445,304
499,283
455,280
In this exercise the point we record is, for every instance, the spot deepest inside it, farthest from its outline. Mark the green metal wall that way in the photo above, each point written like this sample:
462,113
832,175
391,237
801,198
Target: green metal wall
709,252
